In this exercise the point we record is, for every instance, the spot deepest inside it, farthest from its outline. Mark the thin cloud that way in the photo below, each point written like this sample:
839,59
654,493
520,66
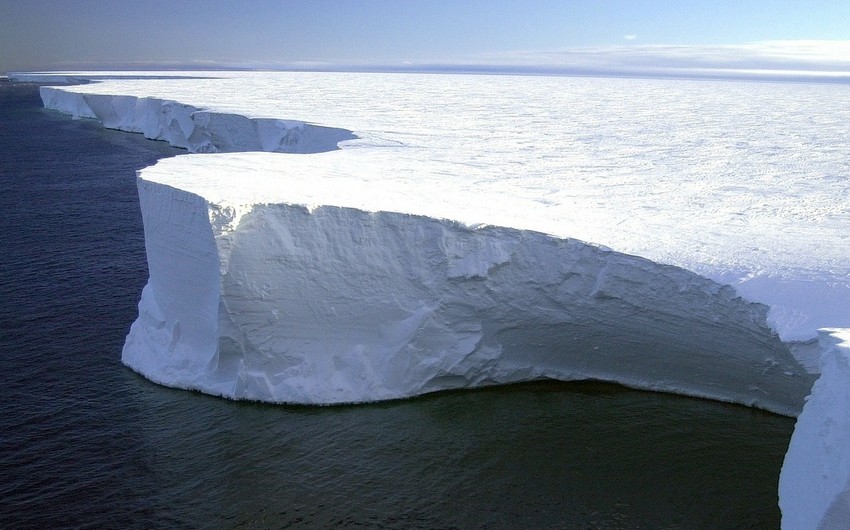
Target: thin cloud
780,60
828,58
630,36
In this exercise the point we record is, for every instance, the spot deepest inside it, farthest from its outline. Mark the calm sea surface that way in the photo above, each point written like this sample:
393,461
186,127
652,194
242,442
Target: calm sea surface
86,443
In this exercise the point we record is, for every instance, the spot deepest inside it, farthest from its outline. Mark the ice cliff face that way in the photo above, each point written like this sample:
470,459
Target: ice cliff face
194,129
336,305
814,487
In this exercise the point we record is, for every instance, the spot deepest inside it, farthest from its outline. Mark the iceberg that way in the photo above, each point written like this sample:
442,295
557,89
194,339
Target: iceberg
317,293
814,486
681,236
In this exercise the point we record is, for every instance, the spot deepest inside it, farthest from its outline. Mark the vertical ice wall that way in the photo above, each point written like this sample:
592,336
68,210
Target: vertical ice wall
194,129
334,305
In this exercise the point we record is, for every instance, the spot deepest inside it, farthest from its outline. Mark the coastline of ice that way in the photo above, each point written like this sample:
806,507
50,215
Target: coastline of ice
194,129
749,187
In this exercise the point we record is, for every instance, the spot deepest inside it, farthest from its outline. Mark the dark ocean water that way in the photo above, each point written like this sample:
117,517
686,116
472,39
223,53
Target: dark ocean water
86,443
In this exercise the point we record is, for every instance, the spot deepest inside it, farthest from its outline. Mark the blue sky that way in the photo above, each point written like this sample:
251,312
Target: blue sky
589,34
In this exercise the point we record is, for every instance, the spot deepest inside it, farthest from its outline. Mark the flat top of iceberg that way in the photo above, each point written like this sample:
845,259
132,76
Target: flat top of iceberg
743,182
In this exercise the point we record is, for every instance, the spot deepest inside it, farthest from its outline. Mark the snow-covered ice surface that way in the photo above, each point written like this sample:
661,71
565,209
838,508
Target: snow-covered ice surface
667,234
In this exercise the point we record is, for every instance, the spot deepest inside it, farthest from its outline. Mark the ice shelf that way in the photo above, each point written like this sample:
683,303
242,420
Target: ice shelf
455,231
743,183
285,280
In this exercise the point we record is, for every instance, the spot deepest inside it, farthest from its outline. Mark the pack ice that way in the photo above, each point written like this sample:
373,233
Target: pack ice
683,236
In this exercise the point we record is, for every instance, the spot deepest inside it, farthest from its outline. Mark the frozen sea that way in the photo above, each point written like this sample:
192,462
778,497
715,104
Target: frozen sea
86,443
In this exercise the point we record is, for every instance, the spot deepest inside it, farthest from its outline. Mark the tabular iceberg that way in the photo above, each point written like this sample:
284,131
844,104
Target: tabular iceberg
280,302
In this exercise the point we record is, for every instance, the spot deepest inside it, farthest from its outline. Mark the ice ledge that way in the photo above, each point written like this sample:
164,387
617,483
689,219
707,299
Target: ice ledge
194,129
334,304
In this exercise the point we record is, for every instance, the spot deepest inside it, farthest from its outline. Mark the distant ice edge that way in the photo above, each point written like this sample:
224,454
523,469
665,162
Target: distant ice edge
338,305
194,129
